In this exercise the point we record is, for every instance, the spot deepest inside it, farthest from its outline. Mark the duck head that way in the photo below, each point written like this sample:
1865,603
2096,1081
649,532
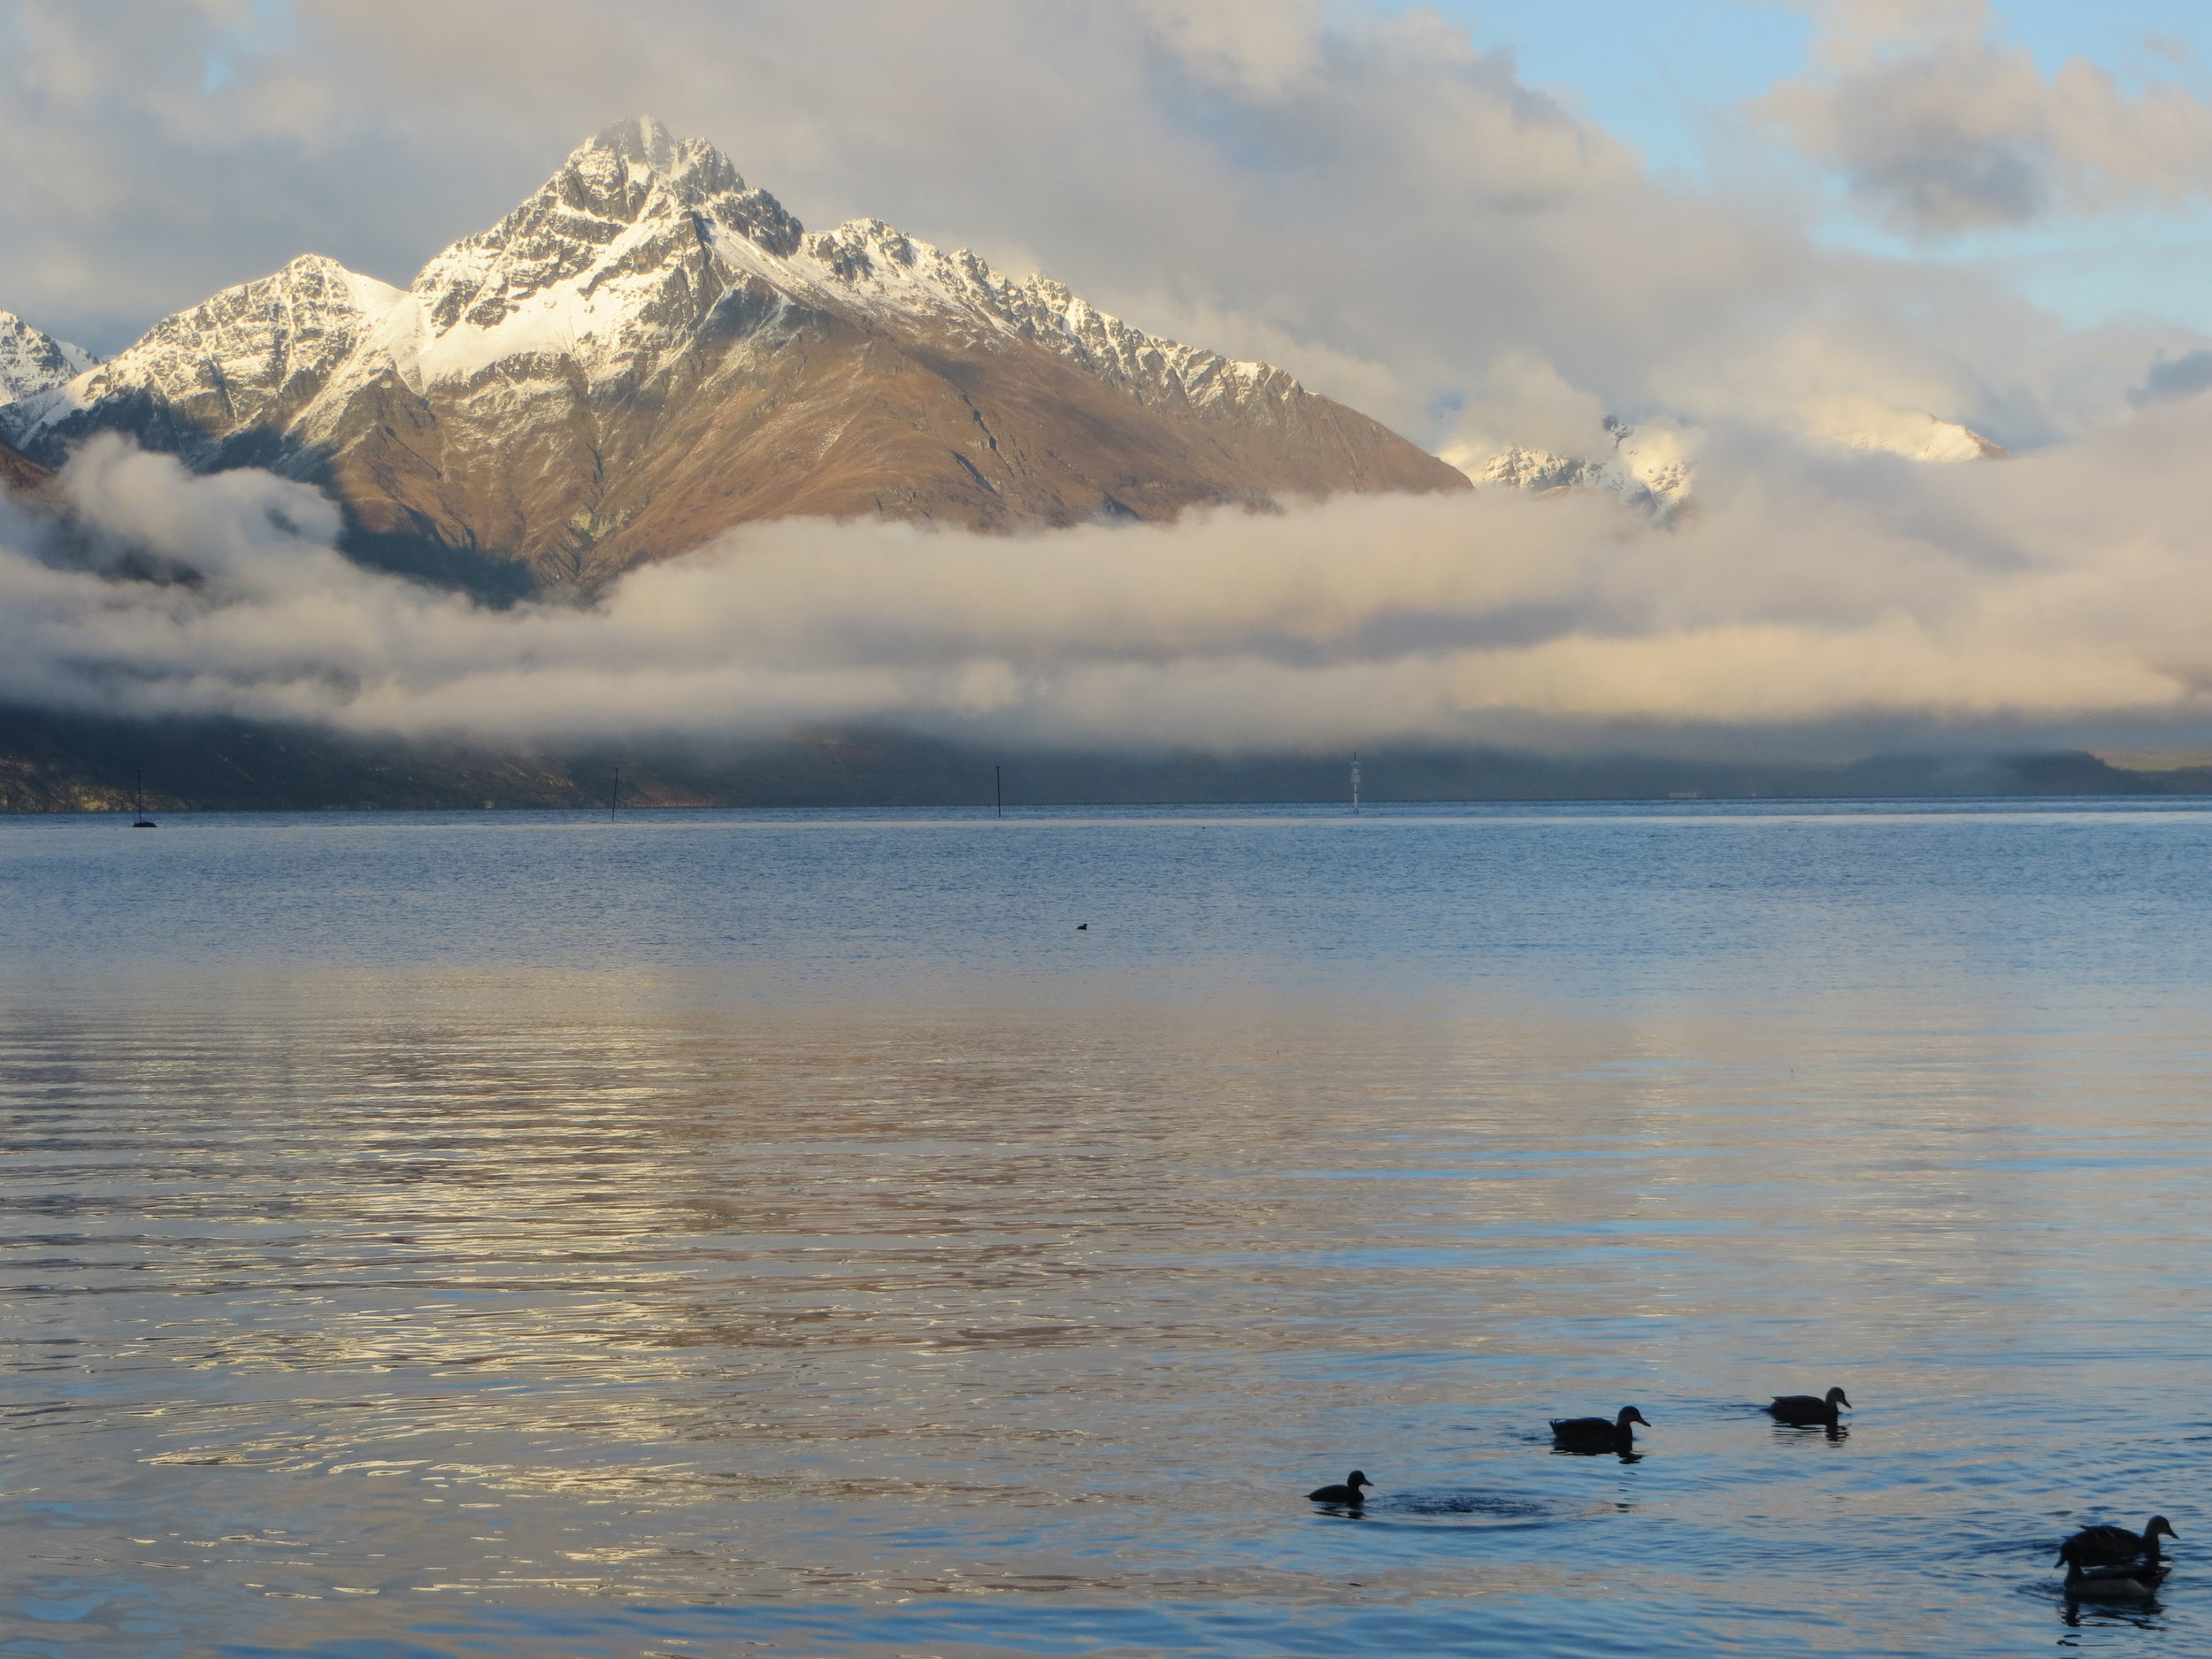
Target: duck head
1836,1397
1356,1479
1629,1413
2160,1528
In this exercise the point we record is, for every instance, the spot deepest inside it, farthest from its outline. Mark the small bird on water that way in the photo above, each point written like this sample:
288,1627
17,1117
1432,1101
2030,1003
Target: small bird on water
1349,1493
2115,1546
1082,927
1598,1434
1806,1411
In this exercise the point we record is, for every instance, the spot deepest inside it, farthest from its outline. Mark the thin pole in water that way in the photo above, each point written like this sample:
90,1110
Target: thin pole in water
1355,783
998,790
614,795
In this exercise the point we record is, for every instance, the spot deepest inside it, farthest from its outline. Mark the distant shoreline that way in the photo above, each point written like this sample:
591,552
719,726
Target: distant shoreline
56,763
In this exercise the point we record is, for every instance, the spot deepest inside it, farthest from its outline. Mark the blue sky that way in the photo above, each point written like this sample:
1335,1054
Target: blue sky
1669,77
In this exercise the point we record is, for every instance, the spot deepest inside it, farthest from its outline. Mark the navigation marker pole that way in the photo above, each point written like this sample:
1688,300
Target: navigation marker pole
1355,783
614,795
998,791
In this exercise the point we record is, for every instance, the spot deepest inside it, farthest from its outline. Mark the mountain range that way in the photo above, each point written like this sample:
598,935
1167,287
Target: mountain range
649,351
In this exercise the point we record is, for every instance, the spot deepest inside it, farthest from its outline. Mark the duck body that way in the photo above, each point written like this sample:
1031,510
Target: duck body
1349,1493
1598,1434
2115,1546
1808,1412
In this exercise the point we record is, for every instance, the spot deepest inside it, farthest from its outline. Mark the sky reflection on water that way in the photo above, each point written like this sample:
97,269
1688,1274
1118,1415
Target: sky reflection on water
515,1237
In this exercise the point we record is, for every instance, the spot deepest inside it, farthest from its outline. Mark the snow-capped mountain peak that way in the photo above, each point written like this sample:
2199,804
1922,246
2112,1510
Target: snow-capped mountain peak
1649,467
648,350
625,193
33,361
261,351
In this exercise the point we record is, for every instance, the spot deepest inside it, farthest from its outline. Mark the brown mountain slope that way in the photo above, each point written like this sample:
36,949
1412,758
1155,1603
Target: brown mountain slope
18,471
648,352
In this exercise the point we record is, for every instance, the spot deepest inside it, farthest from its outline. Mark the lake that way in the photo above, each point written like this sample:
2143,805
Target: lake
791,1233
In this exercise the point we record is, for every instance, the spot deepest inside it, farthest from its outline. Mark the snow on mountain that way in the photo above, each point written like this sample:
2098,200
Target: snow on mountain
648,350
33,361
258,353
1652,467
1649,467
581,272
1909,432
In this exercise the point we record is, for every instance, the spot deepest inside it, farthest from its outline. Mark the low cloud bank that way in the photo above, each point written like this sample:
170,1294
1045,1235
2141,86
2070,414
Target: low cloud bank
1811,606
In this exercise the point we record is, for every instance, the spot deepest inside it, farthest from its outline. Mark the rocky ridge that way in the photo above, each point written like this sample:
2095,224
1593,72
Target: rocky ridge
649,351
33,361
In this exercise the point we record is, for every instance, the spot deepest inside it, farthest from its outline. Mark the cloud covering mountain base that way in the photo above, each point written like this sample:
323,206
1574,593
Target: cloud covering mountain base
1812,606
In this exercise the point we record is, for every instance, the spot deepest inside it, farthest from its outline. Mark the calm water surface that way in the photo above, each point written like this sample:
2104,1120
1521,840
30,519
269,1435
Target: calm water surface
733,1233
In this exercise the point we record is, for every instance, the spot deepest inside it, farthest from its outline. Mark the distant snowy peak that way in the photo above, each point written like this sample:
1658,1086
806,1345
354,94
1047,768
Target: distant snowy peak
33,361
1909,432
1648,468
1653,467
254,355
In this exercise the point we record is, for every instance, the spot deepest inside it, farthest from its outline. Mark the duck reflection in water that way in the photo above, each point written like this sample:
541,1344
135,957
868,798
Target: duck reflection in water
2127,1596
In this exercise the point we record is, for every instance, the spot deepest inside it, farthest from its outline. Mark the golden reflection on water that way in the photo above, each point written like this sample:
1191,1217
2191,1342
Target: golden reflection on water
397,1292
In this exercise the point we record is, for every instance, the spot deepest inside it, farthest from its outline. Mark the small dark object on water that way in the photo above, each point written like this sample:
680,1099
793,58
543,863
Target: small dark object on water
1082,927
2112,1583
1598,1434
1348,1494
2114,1546
1803,1411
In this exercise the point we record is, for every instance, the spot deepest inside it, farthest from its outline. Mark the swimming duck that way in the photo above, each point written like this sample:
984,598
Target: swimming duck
2105,1545
1804,1411
1598,1434
1347,1493
2111,1584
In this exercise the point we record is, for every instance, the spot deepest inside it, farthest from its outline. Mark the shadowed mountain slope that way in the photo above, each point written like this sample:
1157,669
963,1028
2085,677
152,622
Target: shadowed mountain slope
18,471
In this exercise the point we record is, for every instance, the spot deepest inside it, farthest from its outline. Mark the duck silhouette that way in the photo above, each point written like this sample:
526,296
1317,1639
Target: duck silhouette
1808,1412
1348,1494
1598,1434
2115,1546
